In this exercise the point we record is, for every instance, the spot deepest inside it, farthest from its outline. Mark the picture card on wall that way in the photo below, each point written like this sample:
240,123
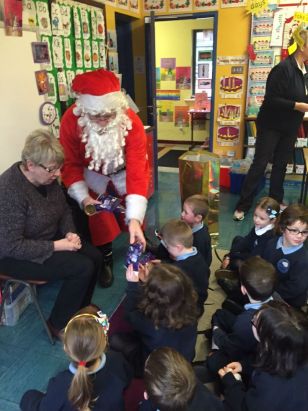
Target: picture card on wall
41,78
203,70
40,52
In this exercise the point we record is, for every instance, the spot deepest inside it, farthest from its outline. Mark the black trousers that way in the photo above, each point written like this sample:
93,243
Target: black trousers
272,146
77,270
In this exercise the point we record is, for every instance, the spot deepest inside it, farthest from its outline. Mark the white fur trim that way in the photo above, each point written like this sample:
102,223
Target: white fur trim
96,182
105,103
136,206
119,181
78,191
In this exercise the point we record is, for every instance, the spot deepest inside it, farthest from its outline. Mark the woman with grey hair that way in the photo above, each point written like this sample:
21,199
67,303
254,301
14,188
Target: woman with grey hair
37,234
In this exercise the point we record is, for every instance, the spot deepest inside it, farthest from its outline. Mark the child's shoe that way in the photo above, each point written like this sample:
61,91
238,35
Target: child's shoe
238,215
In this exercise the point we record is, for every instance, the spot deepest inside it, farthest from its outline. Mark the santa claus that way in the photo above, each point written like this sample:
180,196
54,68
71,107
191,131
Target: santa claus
104,141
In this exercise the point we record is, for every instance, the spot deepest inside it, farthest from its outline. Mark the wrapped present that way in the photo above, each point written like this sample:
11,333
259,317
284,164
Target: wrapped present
199,174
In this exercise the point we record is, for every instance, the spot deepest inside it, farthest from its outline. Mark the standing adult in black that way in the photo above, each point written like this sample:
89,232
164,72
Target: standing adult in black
278,121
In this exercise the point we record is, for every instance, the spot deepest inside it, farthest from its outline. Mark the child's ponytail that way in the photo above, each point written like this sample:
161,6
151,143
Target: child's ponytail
80,391
85,340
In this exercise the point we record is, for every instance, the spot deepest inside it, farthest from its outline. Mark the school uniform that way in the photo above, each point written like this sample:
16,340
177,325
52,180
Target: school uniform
195,267
250,245
181,339
202,242
233,337
109,382
291,264
267,392
203,400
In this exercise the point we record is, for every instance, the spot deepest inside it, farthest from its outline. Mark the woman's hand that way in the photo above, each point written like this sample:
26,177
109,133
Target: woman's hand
303,107
74,238
66,245
136,233
131,275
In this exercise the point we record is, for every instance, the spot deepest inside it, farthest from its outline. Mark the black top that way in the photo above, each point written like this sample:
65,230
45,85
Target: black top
202,242
267,392
284,87
251,244
203,400
292,272
241,340
183,339
198,271
108,386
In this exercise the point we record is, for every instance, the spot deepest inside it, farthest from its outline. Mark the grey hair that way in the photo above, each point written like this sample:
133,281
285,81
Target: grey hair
42,147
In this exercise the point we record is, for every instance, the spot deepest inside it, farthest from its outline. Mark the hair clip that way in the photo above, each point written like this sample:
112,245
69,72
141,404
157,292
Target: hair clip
102,319
271,212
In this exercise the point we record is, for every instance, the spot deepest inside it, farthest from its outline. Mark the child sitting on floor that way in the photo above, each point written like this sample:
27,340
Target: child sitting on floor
289,256
195,210
95,379
280,379
162,312
232,336
177,237
265,214
171,385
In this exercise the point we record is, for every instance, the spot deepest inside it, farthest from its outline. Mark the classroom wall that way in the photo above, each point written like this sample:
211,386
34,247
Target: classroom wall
174,39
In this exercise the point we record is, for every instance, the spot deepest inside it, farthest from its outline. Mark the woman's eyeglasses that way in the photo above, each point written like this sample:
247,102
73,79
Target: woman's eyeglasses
50,170
295,231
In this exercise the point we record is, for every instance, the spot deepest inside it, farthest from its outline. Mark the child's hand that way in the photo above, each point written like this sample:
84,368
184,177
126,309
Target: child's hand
234,367
131,275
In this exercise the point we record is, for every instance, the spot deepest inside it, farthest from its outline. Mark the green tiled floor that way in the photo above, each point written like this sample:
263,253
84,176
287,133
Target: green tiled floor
27,360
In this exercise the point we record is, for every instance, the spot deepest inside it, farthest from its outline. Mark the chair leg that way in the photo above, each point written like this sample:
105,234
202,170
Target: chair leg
34,300
4,295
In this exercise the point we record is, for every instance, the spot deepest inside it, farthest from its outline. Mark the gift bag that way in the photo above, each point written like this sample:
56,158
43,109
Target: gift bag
199,174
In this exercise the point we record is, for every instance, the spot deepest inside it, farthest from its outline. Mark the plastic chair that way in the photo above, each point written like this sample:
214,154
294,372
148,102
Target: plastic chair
30,284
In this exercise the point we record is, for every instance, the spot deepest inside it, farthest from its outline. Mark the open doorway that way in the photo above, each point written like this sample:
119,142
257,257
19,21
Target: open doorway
185,52
125,52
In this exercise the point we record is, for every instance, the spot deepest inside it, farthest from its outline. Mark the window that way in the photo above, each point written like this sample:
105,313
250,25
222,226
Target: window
202,62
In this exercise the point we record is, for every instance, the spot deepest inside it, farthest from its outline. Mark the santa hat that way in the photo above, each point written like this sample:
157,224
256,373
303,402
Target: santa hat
98,91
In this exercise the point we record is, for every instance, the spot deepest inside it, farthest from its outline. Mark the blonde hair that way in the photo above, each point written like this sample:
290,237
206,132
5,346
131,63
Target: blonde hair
177,232
84,343
199,205
42,147
303,34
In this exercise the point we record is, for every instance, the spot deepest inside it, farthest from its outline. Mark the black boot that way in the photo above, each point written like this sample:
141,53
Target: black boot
105,277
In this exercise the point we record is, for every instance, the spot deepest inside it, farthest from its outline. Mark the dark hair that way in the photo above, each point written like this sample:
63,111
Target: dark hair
258,277
293,213
199,205
283,334
169,298
176,232
270,206
169,379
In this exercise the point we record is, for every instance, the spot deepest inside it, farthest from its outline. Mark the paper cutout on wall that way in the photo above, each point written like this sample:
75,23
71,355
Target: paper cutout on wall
231,87
168,94
228,136
183,77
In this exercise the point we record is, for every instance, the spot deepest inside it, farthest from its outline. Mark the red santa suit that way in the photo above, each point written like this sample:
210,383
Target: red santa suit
94,157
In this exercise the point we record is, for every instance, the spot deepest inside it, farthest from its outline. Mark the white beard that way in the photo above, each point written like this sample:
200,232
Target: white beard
105,145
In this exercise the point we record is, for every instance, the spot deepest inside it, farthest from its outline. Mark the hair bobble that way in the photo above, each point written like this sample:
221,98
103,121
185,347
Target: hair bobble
82,363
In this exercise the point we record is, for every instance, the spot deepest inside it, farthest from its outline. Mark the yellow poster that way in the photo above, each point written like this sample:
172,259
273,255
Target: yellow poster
256,6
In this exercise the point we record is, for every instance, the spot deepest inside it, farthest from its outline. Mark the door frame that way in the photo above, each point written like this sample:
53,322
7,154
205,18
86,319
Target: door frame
151,69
